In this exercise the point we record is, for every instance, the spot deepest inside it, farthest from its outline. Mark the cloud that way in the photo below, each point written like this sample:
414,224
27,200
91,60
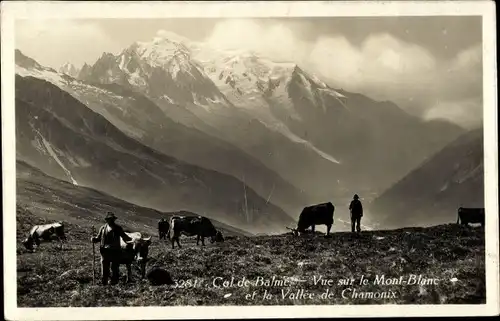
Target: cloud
382,67
275,40
48,41
464,112
458,89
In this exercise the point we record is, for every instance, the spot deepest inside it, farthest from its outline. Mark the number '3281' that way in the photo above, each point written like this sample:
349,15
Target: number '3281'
186,284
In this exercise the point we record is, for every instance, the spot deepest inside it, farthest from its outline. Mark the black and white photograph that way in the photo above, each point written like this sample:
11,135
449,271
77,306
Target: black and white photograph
223,155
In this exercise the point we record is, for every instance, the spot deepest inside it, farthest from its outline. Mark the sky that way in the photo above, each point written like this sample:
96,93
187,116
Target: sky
429,66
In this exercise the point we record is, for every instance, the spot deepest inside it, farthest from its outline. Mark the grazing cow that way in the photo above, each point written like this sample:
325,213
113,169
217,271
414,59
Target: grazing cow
163,227
135,250
470,215
44,232
192,225
320,214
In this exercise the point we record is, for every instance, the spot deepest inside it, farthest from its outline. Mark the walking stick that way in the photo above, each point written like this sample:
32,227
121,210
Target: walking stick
93,257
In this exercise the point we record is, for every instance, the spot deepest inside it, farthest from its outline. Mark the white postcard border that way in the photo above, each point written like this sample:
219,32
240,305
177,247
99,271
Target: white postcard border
58,10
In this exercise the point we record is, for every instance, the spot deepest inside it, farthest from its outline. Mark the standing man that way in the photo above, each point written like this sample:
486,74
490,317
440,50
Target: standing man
160,234
356,209
109,237
162,228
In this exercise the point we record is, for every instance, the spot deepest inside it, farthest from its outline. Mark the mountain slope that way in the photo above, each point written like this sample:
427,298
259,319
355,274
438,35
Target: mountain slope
140,118
377,141
432,193
53,199
66,140
346,127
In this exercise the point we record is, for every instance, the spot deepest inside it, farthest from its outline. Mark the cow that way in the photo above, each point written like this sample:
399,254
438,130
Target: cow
135,250
470,215
163,227
44,232
192,225
319,214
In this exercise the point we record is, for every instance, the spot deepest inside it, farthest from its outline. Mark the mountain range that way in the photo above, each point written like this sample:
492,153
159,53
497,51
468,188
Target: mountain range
326,142
67,140
138,117
173,124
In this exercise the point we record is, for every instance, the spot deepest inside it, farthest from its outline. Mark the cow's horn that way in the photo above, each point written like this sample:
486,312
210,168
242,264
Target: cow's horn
147,238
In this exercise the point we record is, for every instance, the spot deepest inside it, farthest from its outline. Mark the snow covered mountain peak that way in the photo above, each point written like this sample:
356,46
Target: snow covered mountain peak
243,71
69,69
239,61
175,69
162,52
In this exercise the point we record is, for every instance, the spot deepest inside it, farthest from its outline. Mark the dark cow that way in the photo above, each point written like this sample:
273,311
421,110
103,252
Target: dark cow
192,225
44,232
470,215
163,227
320,214
135,250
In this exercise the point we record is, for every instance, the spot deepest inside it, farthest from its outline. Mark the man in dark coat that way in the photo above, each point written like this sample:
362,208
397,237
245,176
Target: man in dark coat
163,227
109,236
356,209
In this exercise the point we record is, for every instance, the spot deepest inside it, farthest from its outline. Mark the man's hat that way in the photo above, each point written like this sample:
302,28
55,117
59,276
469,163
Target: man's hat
110,216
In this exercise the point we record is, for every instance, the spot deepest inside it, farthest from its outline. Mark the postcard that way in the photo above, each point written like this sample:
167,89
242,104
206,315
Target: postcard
190,160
